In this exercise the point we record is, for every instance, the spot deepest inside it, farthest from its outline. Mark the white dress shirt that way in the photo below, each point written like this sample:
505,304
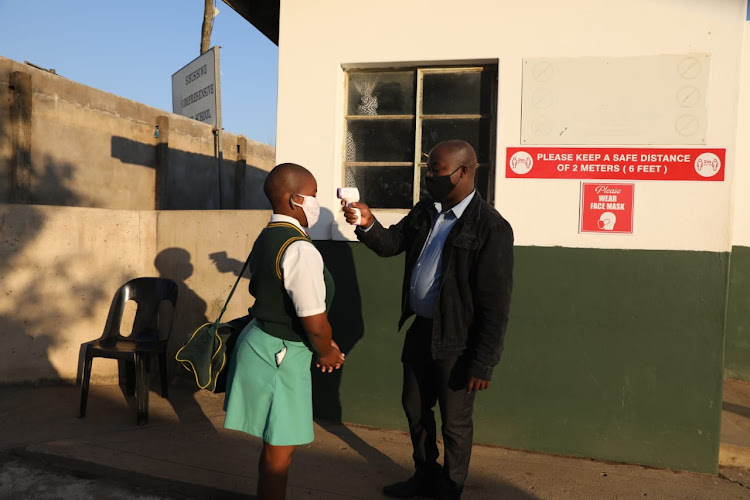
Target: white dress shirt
302,267
426,276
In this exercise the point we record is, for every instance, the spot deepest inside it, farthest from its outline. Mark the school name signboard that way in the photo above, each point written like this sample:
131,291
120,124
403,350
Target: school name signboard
646,164
196,89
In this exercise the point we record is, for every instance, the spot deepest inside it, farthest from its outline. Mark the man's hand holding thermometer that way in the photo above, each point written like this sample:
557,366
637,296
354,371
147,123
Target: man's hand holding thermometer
356,213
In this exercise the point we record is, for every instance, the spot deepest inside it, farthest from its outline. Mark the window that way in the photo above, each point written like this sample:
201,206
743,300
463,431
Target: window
394,117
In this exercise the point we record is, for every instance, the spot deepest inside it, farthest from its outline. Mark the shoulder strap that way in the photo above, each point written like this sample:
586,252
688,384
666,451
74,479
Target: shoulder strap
247,262
278,264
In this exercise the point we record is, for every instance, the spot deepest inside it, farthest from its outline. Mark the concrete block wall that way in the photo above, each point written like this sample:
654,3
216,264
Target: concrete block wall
86,147
82,173
60,267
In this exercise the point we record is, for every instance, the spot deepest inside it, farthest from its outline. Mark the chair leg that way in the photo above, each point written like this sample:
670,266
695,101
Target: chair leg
163,375
130,378
85,383
142,380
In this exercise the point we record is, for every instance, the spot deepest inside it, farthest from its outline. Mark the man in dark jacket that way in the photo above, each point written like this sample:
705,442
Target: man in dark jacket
457,281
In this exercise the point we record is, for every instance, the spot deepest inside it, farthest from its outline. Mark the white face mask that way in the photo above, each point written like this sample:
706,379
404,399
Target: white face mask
311,207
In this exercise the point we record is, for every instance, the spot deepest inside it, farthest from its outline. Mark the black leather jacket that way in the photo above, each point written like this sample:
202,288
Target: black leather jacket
471,312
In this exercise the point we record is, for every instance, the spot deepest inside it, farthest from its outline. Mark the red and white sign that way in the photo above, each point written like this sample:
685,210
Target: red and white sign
606,208
645,164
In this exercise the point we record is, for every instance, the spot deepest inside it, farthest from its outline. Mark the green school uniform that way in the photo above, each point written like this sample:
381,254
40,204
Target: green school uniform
265,399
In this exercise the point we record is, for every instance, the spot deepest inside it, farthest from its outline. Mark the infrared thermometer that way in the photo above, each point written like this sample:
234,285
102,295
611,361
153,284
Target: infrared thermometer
350,195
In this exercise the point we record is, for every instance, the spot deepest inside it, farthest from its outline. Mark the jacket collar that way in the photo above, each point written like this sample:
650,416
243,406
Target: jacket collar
472,209
460,207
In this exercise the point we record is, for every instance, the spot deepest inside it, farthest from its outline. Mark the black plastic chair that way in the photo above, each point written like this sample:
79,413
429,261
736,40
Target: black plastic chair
143,342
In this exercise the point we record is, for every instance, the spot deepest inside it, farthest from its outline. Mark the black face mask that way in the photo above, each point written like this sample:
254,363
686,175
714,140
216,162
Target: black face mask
441,186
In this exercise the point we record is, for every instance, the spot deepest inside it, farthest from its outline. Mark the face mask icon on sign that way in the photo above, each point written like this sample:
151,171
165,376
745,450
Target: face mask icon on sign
607,221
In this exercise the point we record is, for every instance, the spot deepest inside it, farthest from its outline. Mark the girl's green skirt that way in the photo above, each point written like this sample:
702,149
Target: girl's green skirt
265,400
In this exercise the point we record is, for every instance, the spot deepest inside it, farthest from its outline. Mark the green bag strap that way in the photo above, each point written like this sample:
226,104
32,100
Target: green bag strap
226,303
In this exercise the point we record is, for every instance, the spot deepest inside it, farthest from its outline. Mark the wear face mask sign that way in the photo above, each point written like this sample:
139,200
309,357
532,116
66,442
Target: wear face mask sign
311,207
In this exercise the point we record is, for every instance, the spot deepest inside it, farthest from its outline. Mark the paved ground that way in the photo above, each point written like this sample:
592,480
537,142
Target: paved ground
21,479
735,424
185,453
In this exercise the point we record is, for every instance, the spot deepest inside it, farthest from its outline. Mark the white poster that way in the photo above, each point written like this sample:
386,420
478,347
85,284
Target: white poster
196,89
608,100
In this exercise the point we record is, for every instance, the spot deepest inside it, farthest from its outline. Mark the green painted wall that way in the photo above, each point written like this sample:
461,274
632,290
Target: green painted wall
737,357
610,354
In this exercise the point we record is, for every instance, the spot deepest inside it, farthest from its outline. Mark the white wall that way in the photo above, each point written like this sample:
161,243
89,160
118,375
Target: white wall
668,215
741,186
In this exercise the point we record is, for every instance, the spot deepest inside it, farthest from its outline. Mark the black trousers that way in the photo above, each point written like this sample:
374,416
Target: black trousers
429,381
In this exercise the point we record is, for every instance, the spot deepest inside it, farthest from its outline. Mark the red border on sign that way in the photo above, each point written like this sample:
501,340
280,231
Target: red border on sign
624,164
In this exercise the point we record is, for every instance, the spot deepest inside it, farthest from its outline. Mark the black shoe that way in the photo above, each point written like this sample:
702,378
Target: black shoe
451,494
415,486
448,490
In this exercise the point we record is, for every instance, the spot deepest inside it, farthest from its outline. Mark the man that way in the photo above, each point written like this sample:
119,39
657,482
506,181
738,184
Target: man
457,281
269,391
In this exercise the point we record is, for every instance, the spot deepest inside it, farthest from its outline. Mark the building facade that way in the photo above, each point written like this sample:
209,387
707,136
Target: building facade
611,136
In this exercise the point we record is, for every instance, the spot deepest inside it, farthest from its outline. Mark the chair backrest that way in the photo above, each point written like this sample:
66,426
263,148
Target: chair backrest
150,320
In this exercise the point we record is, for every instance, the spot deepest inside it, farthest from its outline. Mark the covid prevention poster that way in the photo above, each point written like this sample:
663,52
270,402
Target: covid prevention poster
606,208
626,164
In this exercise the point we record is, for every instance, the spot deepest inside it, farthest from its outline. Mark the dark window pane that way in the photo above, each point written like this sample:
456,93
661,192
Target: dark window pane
481,182
388,93
474,131
423,194
382,187
380,140
457,93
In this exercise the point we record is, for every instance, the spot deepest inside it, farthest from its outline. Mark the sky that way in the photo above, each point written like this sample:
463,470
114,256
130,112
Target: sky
132,48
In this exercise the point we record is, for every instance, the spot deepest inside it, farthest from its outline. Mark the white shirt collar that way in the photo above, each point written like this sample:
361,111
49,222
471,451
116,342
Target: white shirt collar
460,207
286,218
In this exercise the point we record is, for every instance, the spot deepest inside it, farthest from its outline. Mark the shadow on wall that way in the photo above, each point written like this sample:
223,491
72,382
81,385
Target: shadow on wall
45,290
174,263
345,316
193,178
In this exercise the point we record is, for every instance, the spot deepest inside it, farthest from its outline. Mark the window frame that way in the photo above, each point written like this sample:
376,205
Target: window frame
419,160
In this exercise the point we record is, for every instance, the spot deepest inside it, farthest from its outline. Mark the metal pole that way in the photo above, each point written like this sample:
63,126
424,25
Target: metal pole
218,158
219,153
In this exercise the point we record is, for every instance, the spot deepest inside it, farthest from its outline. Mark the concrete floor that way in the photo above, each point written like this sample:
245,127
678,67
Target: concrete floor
735,424
21,479
185,453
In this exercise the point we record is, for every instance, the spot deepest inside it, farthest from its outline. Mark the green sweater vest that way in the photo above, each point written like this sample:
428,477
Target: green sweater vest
273,309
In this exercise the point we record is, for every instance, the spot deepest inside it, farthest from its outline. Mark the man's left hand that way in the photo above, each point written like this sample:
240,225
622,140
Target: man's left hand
477,384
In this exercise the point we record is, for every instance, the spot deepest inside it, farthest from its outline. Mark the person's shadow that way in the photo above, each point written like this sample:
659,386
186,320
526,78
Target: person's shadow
174,263
347,323
345,316
225,264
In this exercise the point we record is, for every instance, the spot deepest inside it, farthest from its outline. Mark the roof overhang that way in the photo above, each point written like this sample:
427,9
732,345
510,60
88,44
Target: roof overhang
263,14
